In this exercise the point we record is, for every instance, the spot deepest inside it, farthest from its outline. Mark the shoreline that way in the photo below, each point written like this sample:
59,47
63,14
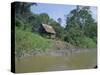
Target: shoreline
66,52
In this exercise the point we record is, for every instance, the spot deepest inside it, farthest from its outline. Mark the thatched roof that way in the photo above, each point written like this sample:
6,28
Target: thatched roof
48,28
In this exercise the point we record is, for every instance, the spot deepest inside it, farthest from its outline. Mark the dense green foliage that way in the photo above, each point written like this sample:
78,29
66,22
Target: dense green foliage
80,29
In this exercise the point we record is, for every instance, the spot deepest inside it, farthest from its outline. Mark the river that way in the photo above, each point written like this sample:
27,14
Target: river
56,61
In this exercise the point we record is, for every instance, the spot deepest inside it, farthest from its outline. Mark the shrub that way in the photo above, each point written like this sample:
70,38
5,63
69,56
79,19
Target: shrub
87,42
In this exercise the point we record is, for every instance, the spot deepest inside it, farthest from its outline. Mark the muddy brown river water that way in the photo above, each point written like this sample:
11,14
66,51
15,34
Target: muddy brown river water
39,63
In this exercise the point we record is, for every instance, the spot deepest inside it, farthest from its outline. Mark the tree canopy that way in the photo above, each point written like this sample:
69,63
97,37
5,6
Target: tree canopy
80,26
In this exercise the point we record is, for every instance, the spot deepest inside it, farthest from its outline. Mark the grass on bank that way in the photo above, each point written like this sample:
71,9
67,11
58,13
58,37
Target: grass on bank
26,41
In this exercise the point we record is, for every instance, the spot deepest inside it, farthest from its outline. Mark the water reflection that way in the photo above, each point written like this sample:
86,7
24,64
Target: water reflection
78,60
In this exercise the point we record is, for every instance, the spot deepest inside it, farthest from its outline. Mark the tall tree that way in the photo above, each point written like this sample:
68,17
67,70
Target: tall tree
23,14
44,18
59,20
79,23
78,16
23,7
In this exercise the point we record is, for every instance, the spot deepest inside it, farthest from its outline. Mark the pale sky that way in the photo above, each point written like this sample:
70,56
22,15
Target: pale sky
56,11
